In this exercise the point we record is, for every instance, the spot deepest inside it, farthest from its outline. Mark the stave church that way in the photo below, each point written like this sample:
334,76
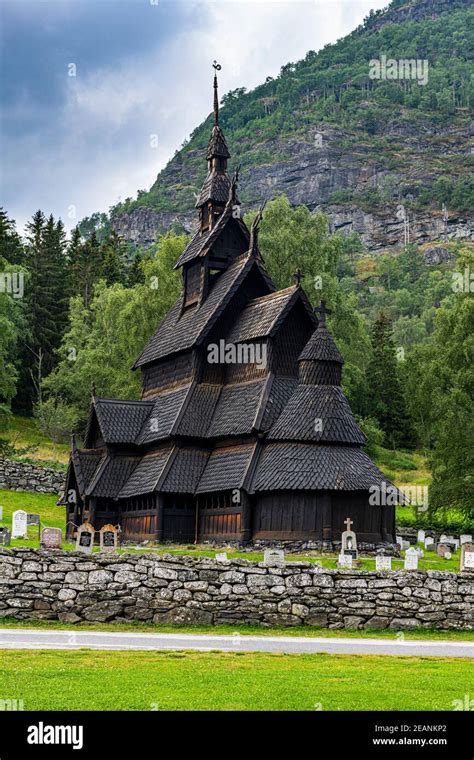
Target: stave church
243,432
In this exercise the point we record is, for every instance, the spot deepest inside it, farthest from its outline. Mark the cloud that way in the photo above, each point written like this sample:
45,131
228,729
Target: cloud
92,145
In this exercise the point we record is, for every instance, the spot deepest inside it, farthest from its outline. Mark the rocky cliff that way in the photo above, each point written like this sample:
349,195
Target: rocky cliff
327,136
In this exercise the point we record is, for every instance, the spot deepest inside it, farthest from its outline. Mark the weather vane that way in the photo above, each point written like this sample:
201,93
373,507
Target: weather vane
216,66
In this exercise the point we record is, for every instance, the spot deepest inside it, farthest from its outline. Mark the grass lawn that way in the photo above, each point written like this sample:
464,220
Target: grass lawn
59,680
23,432
424,634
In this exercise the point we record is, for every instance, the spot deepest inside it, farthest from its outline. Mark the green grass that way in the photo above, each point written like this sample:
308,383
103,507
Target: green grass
23,432
183,680
402,467
425,634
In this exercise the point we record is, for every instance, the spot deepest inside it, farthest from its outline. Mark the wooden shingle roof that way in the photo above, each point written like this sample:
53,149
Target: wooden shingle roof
305,466
216,187
111,475
164,414
146,476
321,347
182,330
262,316
226,468
185,471
201,243
121,421
319,413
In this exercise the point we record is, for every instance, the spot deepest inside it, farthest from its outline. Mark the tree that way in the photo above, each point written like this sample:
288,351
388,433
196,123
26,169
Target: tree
387,403
45,305
105,338
443,390
11,247
113,253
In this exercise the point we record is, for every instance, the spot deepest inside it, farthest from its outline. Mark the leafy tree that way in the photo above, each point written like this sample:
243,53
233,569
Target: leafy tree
105,338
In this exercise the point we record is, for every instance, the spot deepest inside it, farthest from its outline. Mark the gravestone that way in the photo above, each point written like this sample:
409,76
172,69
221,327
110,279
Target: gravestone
442,550
411,559
443,537
274,557
32,519
465,538
221,557
383,563
467,556
108,538
454,542
85,538
421,537
19,524
51,538
349,541
5,536
419,551
1,513
429,542
448,555
345,560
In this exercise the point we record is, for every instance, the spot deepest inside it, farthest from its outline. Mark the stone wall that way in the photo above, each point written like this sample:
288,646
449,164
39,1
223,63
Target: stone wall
71,587
17,476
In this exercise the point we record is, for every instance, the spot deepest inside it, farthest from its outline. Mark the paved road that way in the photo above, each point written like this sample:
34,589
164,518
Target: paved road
43,639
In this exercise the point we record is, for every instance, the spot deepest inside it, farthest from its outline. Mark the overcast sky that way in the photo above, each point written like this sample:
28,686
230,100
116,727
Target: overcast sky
142,68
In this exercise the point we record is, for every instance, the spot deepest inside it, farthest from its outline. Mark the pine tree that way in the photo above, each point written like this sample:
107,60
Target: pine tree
113,259
11,247
136,275
45,305
386,395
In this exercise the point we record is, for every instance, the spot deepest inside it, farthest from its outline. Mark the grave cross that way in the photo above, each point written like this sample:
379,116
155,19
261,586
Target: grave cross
298,275
348,523
322,311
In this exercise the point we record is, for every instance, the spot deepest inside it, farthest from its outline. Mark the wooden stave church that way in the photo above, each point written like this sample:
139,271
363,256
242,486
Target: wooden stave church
230,452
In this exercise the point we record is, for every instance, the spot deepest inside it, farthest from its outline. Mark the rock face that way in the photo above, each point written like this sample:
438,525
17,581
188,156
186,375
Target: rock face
57,585
17,476
314,171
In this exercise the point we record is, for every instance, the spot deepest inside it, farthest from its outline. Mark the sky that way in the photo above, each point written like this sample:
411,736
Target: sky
97,95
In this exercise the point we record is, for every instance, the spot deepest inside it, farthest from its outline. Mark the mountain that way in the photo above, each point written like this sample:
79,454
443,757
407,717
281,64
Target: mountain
327,133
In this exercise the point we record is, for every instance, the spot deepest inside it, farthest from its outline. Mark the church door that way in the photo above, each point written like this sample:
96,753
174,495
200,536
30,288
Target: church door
179,518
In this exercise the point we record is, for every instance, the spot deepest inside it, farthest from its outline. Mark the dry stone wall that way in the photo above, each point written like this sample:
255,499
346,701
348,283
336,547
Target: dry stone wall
18,476
71,587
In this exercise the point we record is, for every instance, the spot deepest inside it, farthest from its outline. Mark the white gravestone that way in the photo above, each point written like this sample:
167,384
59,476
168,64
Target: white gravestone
467,556
421,537
411,559
383,563
345,560
429,542
1,513
19,524
349,540
465,538
108,535
221,557
274,557
85,538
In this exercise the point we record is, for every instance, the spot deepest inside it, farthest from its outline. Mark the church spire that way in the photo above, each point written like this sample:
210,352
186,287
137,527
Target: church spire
217,67
320,361
215,190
